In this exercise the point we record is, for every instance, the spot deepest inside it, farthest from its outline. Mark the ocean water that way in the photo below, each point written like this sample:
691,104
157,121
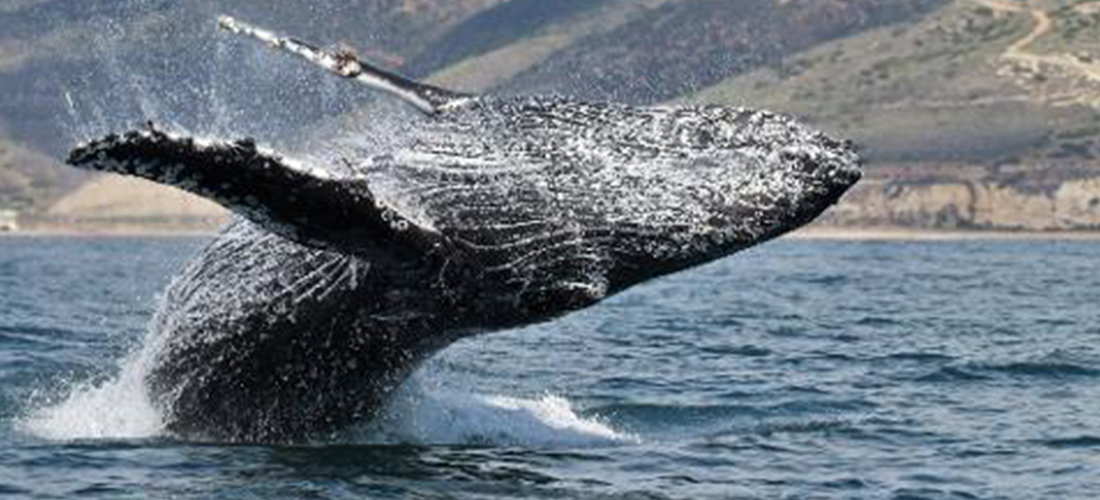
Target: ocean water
799,369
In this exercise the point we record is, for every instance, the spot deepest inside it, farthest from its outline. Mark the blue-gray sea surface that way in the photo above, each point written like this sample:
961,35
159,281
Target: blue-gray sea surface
799,369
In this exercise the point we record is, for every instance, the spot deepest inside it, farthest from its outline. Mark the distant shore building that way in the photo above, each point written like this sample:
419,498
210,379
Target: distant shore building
9,221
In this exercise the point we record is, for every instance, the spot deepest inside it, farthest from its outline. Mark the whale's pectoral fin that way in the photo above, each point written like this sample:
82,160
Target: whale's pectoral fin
426,98
307,207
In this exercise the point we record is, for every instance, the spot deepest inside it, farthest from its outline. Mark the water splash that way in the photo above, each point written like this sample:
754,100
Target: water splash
120,408
419,415
117,408
167,62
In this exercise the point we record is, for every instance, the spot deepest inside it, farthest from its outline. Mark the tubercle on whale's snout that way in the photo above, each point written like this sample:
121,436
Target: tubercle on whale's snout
845,172
827,167
810,175
843,163
91,155
848,177
851,171
149,152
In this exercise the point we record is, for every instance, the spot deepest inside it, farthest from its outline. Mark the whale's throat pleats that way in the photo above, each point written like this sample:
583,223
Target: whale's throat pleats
263,339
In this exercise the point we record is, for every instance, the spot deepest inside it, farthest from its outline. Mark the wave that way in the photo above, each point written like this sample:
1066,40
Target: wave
750,415
1074,442
1054,365
1041,369
1049,369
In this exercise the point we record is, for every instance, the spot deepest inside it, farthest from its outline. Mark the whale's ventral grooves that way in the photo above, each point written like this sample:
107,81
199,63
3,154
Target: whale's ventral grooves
486,213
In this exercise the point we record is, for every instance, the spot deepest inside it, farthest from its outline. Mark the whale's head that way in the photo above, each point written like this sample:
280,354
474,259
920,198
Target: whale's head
725,179
582,200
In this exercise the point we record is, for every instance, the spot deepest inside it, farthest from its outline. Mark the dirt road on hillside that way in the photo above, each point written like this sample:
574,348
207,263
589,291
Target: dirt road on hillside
1042,25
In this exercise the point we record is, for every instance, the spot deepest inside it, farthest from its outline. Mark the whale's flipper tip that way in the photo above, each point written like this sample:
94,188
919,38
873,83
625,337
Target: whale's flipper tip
427,98
227,23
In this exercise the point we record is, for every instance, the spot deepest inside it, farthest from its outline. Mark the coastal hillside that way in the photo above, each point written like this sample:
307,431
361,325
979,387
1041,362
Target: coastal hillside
30,180
642,51
967,82
678,47
939,93
982,103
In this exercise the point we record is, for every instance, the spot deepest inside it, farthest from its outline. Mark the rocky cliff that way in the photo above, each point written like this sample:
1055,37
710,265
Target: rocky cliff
1042,199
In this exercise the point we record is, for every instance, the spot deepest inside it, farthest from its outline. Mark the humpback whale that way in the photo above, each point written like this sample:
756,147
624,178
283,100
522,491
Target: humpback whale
331,285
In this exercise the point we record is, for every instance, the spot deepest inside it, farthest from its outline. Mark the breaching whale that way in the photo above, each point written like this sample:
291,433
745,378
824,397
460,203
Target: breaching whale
331,285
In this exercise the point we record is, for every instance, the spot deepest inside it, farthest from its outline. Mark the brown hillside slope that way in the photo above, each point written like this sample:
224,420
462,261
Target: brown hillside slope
964,127
683,46
115,203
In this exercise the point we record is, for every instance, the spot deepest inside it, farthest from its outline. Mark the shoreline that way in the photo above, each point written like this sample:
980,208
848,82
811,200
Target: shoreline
804,234
122,232
912,234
